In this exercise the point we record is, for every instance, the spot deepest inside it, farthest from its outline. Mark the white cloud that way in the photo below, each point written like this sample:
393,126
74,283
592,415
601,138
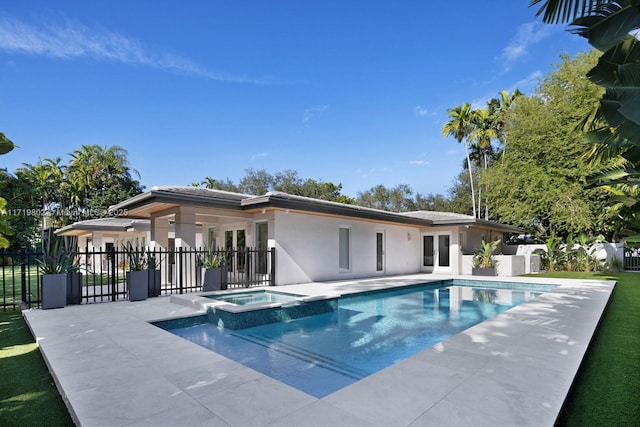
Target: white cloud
420,111
258,156
527,35
70,39
311,113
419,162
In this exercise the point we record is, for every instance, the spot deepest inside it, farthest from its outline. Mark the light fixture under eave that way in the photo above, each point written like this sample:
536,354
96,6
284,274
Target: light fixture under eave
264,211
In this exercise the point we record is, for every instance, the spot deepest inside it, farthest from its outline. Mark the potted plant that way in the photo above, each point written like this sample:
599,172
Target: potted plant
137,276
484,263
54,264
153,266
215,270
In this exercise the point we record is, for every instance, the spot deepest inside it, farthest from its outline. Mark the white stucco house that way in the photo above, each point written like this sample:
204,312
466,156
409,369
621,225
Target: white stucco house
314,240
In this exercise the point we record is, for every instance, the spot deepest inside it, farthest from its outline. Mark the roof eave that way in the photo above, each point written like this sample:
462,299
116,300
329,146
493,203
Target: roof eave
329,208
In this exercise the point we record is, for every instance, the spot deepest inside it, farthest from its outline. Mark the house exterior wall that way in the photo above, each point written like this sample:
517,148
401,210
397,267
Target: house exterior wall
307,248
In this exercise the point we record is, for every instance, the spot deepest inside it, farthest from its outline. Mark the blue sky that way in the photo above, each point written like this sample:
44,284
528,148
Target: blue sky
352,92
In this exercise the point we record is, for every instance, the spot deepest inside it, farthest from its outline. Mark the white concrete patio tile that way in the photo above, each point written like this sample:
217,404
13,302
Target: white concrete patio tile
445,413
515,401
126,403
410,388
211,378
182,413
320,414
112,375
256,403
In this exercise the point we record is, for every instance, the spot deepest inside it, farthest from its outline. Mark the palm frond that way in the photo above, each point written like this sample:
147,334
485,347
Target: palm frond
562,11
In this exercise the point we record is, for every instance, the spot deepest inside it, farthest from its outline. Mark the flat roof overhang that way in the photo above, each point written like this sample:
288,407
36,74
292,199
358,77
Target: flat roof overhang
159,199
285,201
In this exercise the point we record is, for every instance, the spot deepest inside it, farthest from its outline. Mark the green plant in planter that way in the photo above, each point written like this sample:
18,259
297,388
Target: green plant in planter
214,258
56,264
55,258
215,270
136,257
484,257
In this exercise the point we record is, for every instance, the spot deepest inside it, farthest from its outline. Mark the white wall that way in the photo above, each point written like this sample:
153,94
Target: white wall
307,248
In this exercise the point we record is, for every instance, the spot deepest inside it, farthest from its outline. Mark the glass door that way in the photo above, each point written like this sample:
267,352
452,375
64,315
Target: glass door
428,253
234,243
262,235
436,252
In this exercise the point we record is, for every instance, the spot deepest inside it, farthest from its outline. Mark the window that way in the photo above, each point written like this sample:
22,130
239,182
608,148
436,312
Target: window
343,248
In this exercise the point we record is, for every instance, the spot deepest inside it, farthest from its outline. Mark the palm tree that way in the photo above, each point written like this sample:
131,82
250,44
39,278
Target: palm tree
498,108
98,176
482,135
460,127
45,178
555,11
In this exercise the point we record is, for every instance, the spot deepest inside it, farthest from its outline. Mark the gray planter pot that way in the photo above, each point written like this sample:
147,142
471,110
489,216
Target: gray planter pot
215,279
154,283
138,285
54,290
483,271
74,288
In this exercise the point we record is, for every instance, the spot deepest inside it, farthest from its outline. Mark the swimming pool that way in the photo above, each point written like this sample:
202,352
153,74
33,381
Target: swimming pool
320,354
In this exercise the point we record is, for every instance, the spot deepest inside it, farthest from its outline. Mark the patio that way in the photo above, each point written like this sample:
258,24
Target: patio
114,368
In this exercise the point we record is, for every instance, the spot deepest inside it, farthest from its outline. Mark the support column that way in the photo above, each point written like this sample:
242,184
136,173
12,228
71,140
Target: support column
160,242
185,228
185,233
159,233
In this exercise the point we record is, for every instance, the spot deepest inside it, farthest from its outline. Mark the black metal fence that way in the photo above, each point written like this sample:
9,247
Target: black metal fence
104,273
632,259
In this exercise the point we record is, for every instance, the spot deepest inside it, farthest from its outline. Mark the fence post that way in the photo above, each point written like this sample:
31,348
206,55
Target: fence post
180,270
23,275
272,276
114,282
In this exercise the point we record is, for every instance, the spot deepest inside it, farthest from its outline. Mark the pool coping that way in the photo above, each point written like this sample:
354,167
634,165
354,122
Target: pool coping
113,367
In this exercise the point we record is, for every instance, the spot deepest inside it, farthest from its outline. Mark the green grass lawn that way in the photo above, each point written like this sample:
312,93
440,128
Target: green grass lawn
28,396
606,391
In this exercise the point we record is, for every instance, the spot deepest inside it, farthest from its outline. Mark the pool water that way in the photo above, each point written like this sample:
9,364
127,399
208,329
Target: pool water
255,297
323,353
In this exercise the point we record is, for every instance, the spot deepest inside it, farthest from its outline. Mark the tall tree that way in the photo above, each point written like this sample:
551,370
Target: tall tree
45,180
98,177
614,127
483,132
460,127
6,145
542,184
397,199
498,108
258,182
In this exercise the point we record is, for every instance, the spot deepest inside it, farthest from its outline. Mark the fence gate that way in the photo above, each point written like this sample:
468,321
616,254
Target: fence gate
632,259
